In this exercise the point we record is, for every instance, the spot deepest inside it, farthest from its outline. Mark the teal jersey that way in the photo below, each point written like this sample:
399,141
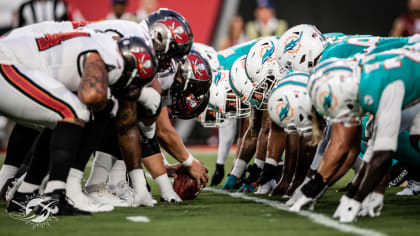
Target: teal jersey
350,45
229,55
380,70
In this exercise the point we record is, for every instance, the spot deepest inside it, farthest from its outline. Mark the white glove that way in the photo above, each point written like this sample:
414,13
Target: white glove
150,99
372,205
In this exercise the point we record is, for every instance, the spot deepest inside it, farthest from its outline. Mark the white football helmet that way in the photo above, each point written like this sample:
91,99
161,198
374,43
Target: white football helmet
290,106
334,89
242,85
299,48
209,54
262,67
230,104
212,116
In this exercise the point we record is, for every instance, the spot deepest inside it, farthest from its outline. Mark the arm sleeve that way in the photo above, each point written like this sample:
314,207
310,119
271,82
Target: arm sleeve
388,118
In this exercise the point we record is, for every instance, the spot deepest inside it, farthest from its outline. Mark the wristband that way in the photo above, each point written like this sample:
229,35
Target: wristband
188,162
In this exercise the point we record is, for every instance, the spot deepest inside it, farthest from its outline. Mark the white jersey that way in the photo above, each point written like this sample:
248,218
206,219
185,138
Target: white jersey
62,55
121,28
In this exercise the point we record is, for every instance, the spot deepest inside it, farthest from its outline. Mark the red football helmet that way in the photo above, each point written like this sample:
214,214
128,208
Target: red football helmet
140,65
194,75
171,34
187,106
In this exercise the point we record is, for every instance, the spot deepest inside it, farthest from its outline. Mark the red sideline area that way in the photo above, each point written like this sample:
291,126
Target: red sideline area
202,15
207,148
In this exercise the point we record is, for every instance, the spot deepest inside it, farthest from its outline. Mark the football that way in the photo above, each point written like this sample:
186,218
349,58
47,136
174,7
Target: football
185,186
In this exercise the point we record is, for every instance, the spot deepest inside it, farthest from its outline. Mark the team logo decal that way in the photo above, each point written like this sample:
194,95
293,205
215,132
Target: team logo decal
192,102
144,63
327,99
284,110
267,52
292,44
177,31
219,77
198,67
368,100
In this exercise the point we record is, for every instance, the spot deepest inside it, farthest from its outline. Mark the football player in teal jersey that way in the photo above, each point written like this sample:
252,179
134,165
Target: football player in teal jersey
301,48
384,85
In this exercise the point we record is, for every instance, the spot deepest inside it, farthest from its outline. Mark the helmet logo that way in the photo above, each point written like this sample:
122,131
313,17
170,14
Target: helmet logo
286,112
328,100
368,100
219,77
144,63
198,67
192,102
292,44
268,53
176,29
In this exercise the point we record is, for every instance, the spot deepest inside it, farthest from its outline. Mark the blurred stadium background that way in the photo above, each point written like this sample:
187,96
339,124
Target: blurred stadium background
220,23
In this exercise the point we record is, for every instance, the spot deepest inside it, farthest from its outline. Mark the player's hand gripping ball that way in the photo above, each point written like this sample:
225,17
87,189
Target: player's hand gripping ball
185,186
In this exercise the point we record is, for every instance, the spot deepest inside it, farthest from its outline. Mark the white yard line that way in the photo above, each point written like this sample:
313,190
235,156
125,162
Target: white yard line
314,217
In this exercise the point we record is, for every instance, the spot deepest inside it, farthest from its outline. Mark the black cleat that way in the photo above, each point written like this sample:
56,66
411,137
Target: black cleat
218,175
8,185
19,201
59,204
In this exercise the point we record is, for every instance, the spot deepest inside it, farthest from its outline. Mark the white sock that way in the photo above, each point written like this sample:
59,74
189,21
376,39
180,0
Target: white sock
271,161
138,180
259,163
101,167
239,168
164,183
118,173
74,181
54,185
226,139
7,172
27,187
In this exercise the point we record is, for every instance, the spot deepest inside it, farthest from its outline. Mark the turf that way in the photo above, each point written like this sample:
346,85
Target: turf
215,214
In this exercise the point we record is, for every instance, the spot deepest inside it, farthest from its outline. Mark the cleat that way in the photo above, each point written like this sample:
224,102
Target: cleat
349,210
343,201
60,204
11,186
412,188
218,175
80,201
296,195
170,196
247,188
101,194
19,201
267,187
301,202
123,191
230,182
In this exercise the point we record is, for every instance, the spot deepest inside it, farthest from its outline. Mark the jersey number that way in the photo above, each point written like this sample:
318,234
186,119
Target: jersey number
51,40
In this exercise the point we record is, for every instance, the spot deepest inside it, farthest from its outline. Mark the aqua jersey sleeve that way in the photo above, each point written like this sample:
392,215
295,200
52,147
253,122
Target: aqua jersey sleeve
351,45
229,55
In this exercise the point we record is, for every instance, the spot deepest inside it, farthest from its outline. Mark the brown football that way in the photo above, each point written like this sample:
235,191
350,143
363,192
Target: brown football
185,186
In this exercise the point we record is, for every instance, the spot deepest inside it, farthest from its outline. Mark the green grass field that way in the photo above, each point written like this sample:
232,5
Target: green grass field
220,214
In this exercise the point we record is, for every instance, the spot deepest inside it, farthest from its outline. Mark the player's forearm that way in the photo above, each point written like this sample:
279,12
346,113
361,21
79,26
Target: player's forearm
169,138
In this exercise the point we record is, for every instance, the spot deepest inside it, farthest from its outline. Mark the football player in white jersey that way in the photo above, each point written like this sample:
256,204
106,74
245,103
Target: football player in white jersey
87,63
168,44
